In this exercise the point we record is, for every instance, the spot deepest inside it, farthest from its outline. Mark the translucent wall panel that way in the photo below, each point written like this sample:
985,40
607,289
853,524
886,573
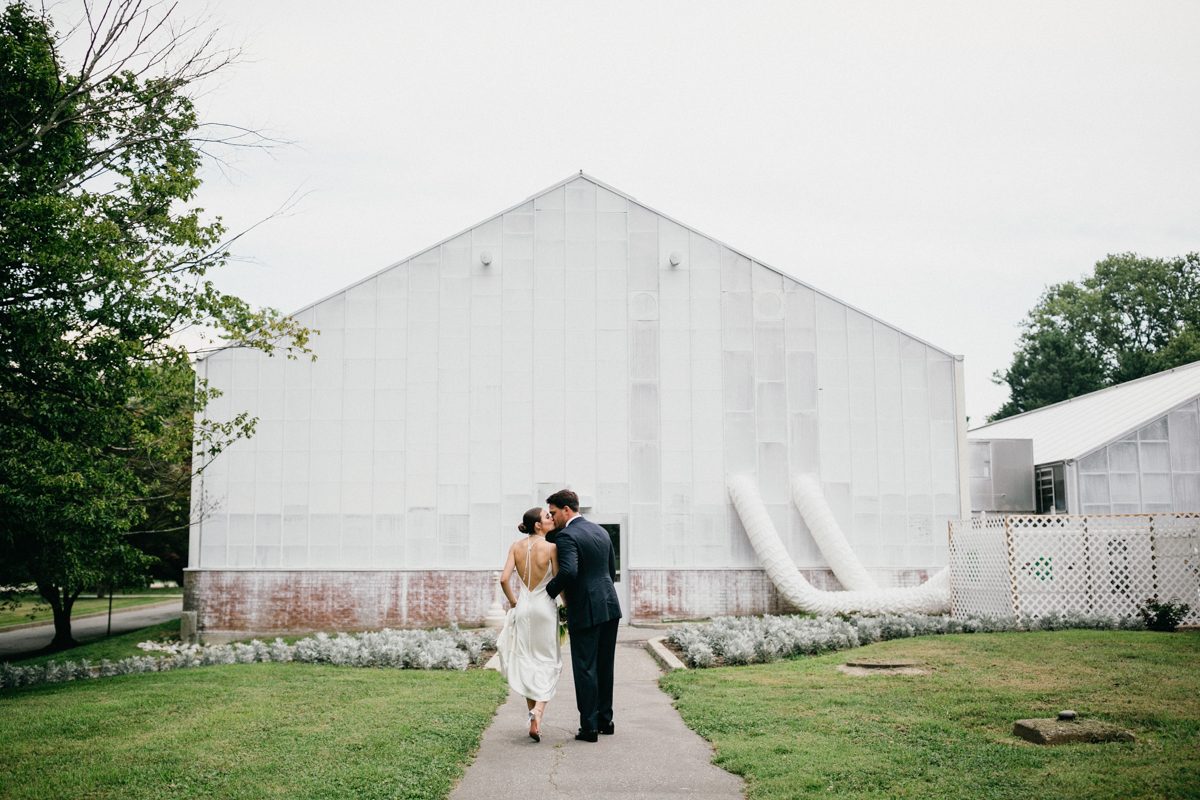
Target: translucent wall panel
738,431
454,403
421,410
549,342
708,474
1155,469
517,366
486,393
579,341
612,353
1183,433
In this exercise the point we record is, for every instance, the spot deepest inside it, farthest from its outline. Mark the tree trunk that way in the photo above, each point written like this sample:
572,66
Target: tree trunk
62,630
61,602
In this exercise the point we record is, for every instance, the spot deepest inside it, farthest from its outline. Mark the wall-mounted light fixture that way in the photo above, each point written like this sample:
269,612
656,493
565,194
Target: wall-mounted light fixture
486,257
676,259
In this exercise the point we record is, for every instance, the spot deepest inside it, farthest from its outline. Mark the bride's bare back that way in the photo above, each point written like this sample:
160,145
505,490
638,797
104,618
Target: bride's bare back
542,557
531,559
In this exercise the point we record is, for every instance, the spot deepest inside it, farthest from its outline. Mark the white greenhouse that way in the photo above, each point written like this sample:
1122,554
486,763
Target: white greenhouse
1133,448
578,339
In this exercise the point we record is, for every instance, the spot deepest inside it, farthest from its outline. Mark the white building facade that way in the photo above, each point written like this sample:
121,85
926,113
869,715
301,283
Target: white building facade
582,340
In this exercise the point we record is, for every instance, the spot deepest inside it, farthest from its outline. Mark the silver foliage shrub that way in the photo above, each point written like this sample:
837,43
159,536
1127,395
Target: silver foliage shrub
699,654
50,672
761,640
398,649
406,649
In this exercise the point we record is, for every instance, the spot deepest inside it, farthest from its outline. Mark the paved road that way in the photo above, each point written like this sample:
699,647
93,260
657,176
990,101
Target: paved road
22,643
652,754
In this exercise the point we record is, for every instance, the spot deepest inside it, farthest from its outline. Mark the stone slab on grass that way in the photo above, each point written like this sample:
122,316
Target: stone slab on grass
882,663
859,667
859,672
1056,731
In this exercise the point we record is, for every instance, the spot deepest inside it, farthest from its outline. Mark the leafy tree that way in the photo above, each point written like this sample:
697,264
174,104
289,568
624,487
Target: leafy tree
101,264
165,472
1132,317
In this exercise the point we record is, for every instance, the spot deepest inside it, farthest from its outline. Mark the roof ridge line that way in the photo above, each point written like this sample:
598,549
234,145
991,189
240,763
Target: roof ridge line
1192,365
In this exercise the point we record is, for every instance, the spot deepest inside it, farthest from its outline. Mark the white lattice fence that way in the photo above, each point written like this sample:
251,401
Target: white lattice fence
979,582
1177,559
1095,564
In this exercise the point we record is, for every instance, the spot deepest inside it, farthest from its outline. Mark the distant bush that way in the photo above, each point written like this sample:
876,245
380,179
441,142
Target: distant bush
1163,616
436,649
761,640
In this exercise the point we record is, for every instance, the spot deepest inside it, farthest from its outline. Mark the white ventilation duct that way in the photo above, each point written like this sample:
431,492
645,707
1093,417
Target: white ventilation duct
810,500
931,597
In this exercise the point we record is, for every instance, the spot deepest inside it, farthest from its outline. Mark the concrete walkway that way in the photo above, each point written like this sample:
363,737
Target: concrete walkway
652,754
25,642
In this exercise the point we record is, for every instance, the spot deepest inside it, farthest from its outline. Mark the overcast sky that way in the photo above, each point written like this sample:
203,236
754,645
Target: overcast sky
934,164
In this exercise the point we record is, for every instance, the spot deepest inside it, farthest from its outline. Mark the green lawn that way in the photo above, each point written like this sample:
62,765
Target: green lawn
247,731
84,605
803,729
113,648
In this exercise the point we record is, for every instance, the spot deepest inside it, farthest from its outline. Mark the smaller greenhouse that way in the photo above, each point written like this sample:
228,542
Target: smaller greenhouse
1128,449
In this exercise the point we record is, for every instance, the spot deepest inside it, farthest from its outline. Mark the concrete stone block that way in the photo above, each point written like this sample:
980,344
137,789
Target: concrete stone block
189,632
1065,731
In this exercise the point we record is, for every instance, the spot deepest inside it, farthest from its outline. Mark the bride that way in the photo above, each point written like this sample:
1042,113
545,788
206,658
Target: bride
528,644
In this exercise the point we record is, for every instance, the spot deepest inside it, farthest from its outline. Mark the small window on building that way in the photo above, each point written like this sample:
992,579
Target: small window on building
614,533
1051,490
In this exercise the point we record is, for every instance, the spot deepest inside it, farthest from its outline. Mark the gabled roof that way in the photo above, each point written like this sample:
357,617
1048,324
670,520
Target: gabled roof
583,176
1073,428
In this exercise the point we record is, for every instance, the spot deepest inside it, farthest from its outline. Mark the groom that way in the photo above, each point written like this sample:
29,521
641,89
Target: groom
587,570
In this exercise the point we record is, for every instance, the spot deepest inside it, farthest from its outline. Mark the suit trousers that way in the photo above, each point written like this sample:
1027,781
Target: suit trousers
593,651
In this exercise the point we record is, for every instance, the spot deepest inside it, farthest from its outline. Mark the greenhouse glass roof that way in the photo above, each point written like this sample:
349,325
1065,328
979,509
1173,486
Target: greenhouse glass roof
1073,428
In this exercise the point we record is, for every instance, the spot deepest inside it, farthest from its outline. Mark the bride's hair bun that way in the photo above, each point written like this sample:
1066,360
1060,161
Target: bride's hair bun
529,522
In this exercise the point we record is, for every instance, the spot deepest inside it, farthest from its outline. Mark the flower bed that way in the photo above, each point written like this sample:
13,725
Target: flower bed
759,640
406,649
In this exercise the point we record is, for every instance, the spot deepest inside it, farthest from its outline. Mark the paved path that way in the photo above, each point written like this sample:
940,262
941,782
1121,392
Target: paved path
25,642
652,754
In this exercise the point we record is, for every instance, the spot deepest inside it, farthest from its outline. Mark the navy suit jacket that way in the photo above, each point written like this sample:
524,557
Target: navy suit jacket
587,573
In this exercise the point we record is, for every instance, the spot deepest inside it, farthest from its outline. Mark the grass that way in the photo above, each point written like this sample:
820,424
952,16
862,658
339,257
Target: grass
113,648
84,605
803,729
246,731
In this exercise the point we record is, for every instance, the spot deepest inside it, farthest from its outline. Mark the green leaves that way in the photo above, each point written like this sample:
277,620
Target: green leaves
1132,317
101,263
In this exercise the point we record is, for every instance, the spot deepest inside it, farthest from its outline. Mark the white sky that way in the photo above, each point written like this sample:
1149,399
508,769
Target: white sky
934,164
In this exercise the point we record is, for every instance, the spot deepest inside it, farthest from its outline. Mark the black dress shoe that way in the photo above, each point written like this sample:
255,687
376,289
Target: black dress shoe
587,736
608,730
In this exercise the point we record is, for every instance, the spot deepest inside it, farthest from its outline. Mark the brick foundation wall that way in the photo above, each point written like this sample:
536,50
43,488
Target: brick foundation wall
696,594
302,601
236,604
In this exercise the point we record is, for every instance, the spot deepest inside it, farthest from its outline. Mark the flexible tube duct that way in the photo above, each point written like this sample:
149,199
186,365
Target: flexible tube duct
931,597
810,500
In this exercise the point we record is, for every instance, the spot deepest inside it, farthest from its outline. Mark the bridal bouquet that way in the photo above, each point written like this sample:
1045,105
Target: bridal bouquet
562,623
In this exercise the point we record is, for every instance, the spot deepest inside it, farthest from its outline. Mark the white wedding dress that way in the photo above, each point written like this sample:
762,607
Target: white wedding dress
530,657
